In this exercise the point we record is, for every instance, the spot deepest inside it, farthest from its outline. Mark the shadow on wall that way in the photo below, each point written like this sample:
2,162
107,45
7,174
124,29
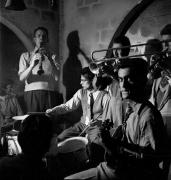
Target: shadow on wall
72,66
72,69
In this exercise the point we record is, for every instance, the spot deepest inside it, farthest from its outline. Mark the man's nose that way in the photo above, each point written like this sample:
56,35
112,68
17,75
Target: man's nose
41,37
124,84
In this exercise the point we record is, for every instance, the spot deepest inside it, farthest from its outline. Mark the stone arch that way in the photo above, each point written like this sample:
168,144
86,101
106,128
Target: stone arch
27,42
129,19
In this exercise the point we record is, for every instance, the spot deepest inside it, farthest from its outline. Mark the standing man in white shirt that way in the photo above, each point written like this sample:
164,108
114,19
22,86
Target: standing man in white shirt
39,70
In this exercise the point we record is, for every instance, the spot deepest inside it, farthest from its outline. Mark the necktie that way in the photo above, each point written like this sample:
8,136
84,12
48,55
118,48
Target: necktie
91,105
128,112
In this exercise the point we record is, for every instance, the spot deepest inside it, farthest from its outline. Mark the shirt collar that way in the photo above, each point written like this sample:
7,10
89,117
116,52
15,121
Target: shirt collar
134,105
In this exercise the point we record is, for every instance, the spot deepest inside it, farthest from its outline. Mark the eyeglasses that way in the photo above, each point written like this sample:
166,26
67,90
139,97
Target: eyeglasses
84,80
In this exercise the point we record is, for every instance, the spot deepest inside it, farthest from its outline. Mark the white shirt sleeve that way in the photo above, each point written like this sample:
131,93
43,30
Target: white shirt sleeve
23,64
70,105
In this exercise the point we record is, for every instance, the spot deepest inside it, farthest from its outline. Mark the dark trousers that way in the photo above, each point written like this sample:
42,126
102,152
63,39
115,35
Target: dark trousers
72,131
41,100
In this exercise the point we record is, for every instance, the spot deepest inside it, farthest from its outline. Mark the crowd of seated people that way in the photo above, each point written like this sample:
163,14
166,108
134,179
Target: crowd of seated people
9,107
125,135
9,104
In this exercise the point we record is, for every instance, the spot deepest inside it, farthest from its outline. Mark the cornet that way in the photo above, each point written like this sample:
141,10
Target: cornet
160,64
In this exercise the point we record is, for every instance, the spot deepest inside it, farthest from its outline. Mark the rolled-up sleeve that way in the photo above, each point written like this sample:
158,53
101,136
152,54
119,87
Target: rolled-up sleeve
70,105
23,63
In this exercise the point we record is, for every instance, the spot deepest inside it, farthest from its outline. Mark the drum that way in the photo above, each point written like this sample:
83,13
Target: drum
72,154
11,142
20,118
72,144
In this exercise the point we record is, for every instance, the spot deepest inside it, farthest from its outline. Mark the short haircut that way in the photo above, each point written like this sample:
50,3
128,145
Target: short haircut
166,30
35,134
41,28
138,66
103,81
87,73
124,40
153,46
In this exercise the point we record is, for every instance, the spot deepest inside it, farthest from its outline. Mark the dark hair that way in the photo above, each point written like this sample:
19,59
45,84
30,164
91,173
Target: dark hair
41,28
153,46
138,66
124,40
103,81
166,30
87,73
35,134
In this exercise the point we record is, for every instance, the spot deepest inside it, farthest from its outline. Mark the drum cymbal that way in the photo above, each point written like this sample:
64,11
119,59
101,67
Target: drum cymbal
20,118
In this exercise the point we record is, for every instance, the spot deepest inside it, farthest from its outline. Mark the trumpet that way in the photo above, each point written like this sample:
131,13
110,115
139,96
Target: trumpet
160,64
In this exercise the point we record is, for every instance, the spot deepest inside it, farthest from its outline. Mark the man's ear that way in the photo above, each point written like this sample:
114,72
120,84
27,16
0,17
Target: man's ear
34,39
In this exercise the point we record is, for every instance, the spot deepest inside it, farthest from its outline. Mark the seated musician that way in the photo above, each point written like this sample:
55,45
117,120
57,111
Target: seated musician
161,90
153,47
92,111
133,151
118,52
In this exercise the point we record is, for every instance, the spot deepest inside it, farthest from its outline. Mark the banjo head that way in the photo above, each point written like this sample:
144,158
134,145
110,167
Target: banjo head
20,118
72,144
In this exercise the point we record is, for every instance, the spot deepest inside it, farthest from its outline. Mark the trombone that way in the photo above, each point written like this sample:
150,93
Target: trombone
98,65
107,59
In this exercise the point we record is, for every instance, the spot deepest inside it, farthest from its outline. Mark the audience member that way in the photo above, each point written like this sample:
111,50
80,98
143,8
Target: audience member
9,105
34,139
